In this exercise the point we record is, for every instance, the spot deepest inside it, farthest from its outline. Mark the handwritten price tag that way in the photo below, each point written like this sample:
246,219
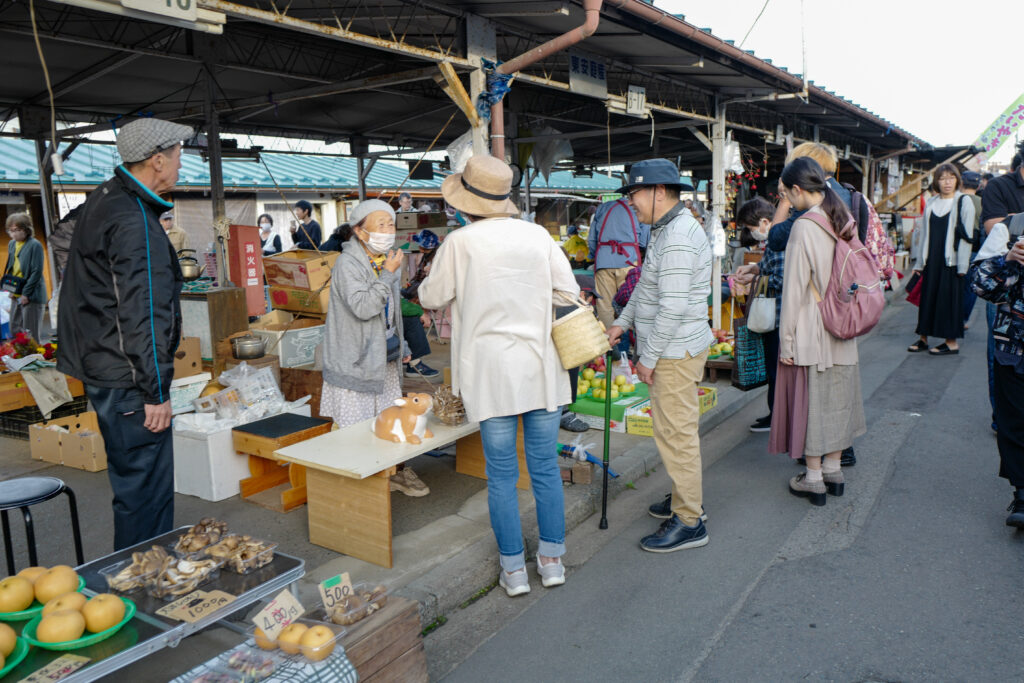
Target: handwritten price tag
195,605
59,668
281,611
335,589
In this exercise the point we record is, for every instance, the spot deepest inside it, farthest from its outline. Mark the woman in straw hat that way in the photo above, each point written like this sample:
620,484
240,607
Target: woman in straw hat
363,343
500,274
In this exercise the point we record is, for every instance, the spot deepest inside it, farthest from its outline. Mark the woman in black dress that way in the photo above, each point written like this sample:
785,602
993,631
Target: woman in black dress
942,250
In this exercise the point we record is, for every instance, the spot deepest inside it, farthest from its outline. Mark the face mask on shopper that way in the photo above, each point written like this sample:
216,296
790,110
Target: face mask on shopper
380,242
266,226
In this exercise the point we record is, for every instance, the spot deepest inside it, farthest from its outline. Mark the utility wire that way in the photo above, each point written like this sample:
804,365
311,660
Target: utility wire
756,19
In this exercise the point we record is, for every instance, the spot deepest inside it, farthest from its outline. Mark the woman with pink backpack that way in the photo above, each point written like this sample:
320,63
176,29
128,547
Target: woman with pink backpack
818,407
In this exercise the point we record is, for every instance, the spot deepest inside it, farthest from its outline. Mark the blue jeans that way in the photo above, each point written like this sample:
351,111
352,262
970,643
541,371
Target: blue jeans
540,436
990,317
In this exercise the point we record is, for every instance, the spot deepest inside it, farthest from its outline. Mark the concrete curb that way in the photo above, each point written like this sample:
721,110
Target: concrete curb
454,581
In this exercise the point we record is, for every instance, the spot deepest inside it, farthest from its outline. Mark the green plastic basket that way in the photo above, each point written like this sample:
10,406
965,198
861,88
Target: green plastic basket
34,609
29,632
18,654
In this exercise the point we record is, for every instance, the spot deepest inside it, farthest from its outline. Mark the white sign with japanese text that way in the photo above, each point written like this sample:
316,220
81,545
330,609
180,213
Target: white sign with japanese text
587,76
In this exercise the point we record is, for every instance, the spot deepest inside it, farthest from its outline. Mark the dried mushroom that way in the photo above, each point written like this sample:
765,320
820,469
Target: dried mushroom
140,571
207,532
242,554
358,606
178,577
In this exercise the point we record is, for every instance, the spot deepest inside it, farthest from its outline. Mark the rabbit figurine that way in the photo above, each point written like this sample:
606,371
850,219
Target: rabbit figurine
406,421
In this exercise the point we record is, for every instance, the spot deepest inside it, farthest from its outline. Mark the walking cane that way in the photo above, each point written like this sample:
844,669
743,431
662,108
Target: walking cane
607,437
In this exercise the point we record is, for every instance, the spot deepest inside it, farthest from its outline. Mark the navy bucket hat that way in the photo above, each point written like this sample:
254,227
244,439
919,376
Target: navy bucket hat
652,172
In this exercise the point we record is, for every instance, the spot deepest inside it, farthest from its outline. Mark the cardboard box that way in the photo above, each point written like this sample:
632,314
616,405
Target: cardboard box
418,220
299,269
185,389
640,423
638,419
293,340
299,300
14,394
591,410
81,447
188,359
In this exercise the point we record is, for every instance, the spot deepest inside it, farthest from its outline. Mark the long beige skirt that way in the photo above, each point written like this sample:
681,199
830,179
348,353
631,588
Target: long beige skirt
835,410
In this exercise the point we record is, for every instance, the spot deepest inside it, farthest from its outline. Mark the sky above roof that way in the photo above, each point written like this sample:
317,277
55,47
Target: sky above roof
941,70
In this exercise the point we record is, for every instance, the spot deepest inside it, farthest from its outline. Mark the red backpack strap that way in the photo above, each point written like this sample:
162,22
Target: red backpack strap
824,226
617,247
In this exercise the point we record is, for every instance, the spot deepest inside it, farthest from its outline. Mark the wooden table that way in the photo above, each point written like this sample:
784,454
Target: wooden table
260,439
348,486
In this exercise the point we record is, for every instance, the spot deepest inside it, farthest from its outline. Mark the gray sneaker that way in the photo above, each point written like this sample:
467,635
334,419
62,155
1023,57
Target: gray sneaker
551,574
516,583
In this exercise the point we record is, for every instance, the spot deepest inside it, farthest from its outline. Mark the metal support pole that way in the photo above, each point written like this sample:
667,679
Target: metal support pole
865,185
49,205
603,524
718,206
216,176
481,41
362,178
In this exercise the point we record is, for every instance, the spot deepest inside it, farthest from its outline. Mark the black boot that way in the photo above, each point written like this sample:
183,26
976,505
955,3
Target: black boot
1016,510
848,459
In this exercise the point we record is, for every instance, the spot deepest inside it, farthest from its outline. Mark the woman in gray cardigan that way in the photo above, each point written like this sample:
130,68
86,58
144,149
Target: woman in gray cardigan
25,259
363,342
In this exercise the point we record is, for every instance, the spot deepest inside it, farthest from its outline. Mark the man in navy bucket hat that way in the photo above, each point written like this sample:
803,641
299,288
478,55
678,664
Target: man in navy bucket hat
668,310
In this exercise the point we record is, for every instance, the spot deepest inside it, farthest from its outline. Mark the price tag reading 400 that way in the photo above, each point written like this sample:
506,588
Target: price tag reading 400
281,611
335,589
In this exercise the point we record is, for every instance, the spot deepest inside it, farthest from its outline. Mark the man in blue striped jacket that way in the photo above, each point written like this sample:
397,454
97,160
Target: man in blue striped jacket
669,312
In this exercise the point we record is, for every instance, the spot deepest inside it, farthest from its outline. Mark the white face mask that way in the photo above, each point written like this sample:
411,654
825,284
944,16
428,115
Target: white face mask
266,226
759,236
380,242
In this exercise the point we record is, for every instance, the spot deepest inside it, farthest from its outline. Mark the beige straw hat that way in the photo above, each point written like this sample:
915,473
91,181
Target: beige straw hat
482,189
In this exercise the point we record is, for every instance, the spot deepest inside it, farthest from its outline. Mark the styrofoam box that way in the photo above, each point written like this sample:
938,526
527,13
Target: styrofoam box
208,466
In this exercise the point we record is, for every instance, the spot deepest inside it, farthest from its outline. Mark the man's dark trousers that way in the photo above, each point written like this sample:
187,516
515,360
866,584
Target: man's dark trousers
140,465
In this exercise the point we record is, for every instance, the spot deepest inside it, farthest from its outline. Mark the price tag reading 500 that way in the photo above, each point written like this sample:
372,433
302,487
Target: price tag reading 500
281,611
335,589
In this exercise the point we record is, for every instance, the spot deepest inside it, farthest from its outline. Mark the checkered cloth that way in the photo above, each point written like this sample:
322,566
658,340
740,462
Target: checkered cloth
288,668
142,138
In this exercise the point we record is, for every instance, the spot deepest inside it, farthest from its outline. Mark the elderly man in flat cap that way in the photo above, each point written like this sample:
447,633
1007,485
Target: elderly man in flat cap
120,321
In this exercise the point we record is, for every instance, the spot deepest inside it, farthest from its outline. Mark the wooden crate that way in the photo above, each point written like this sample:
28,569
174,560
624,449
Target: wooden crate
14,394
388,645
299,382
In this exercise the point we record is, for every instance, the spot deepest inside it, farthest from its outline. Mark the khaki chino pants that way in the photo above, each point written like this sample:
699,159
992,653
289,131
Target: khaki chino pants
607,282
676,415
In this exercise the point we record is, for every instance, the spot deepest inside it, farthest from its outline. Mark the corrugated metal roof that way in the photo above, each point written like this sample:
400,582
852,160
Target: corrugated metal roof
91,164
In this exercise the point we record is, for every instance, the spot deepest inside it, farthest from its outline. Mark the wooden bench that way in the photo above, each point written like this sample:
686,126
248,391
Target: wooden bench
348,488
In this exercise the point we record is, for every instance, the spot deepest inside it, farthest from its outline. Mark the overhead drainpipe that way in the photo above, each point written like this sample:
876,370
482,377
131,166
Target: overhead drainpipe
568,39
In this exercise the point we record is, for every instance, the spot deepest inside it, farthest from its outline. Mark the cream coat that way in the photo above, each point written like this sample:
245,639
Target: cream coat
500,275
802,335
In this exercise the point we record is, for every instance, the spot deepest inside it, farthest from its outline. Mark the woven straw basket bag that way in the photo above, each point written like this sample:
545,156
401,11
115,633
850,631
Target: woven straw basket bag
579,336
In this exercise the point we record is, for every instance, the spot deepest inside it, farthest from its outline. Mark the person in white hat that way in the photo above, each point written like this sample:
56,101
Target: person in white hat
363,343
119,323
500,276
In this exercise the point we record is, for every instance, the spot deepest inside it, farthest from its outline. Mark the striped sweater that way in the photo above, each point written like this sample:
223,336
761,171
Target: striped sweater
669,307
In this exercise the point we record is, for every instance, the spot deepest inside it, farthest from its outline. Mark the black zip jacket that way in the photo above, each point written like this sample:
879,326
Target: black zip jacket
119,318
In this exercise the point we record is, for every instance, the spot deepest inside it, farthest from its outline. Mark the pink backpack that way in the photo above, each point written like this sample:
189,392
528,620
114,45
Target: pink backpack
854,299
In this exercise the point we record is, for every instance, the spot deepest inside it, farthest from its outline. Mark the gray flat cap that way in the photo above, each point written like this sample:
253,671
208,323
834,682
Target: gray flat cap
142,138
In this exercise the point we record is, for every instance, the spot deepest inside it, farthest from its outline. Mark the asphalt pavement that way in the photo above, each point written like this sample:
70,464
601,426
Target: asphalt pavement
911,576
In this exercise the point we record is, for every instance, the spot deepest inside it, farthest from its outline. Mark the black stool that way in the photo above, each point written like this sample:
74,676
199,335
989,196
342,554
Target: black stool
26,491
